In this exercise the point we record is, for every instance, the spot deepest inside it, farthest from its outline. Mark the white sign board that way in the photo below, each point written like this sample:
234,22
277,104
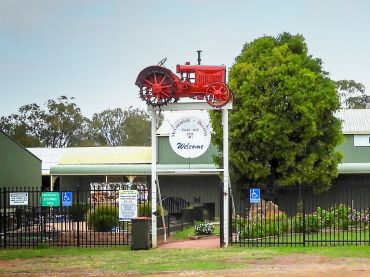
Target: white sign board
190,137
361,140
127,204
18,198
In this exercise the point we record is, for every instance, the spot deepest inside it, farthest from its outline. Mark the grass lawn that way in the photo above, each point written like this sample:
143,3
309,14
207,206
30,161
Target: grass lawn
337,237
122,259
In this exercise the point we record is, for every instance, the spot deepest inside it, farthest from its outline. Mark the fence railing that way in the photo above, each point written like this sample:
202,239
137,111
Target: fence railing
87,218
298,216
74,217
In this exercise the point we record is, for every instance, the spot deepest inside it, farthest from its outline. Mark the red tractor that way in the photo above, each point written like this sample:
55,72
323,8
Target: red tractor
159,86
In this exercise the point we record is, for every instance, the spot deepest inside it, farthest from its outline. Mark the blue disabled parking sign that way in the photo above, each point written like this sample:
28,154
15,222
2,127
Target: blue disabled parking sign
254,196
66,199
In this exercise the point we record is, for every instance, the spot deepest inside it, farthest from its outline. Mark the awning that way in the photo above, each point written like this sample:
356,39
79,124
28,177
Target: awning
133,169
354,168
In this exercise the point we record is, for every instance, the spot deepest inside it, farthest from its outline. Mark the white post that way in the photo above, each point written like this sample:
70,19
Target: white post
51,183
154,177
225,124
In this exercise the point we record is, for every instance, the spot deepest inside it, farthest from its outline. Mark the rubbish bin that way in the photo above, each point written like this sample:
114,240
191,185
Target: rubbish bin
140,232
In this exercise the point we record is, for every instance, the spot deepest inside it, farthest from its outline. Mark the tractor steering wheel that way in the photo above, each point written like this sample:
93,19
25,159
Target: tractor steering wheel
161,62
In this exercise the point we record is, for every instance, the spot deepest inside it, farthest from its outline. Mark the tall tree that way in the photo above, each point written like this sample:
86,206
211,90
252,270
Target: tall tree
352,94
121,128
64,121
138,127
282,128
60,125
108,127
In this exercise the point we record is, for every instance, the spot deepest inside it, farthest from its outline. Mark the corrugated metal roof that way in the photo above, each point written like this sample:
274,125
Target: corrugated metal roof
354,121
48,156
106,155
131,169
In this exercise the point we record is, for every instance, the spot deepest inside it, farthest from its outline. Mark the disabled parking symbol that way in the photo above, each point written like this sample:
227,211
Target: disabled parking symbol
66,199
254,196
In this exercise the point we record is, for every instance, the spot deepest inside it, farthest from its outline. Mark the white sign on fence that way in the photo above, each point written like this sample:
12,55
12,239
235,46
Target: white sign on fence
18,198
127,205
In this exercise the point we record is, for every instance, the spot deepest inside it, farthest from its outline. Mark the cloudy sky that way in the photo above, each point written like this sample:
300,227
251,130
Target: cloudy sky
93,50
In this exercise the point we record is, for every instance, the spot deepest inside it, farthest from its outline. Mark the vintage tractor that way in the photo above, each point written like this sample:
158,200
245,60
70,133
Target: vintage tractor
159,86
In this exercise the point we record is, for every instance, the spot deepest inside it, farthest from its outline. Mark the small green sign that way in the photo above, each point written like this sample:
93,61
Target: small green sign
50,199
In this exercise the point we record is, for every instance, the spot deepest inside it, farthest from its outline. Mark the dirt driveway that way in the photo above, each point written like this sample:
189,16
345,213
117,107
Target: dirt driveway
301,265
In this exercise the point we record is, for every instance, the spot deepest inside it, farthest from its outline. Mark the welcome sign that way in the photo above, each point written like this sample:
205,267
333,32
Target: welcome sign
190,137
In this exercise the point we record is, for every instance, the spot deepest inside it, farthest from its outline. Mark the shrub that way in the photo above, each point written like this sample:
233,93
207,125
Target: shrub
145,208
312,223
204,228
103,218
78,212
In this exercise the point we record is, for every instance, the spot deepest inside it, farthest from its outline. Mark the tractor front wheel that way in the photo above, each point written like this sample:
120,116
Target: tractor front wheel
218,94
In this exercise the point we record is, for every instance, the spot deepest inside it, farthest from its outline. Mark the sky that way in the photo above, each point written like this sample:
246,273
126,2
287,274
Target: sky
93,50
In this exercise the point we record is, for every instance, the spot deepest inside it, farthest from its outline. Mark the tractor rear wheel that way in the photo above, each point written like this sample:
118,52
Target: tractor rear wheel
218,94
157,88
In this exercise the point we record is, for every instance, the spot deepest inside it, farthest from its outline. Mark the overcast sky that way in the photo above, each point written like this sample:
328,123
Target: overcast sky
93,50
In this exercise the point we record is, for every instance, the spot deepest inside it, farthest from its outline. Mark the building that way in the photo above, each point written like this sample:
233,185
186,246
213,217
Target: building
195,180
19,168
355,167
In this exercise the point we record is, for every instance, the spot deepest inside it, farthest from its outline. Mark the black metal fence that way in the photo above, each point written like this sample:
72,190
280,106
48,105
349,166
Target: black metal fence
85,218
297,216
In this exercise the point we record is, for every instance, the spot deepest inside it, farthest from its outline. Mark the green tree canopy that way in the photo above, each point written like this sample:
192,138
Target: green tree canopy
282,128
61,124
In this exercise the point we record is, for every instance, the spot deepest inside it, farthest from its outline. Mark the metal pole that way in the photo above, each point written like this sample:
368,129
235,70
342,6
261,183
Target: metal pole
154,176
199,59
225,124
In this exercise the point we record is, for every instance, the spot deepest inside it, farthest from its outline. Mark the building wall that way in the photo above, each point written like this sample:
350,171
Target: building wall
18,167
206,187
167,156
353,154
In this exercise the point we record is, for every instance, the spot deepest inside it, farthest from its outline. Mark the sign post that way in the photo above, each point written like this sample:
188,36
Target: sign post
191,107
154,178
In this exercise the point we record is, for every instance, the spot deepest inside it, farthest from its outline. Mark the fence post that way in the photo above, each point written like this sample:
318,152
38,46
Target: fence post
4,223
304,222
78,218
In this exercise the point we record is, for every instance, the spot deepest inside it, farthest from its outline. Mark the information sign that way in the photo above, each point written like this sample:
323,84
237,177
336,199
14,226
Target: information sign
127,204
254,196
50,199
18,198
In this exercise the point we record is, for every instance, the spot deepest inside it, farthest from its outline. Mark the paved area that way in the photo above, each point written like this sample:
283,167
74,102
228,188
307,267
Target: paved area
201,242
